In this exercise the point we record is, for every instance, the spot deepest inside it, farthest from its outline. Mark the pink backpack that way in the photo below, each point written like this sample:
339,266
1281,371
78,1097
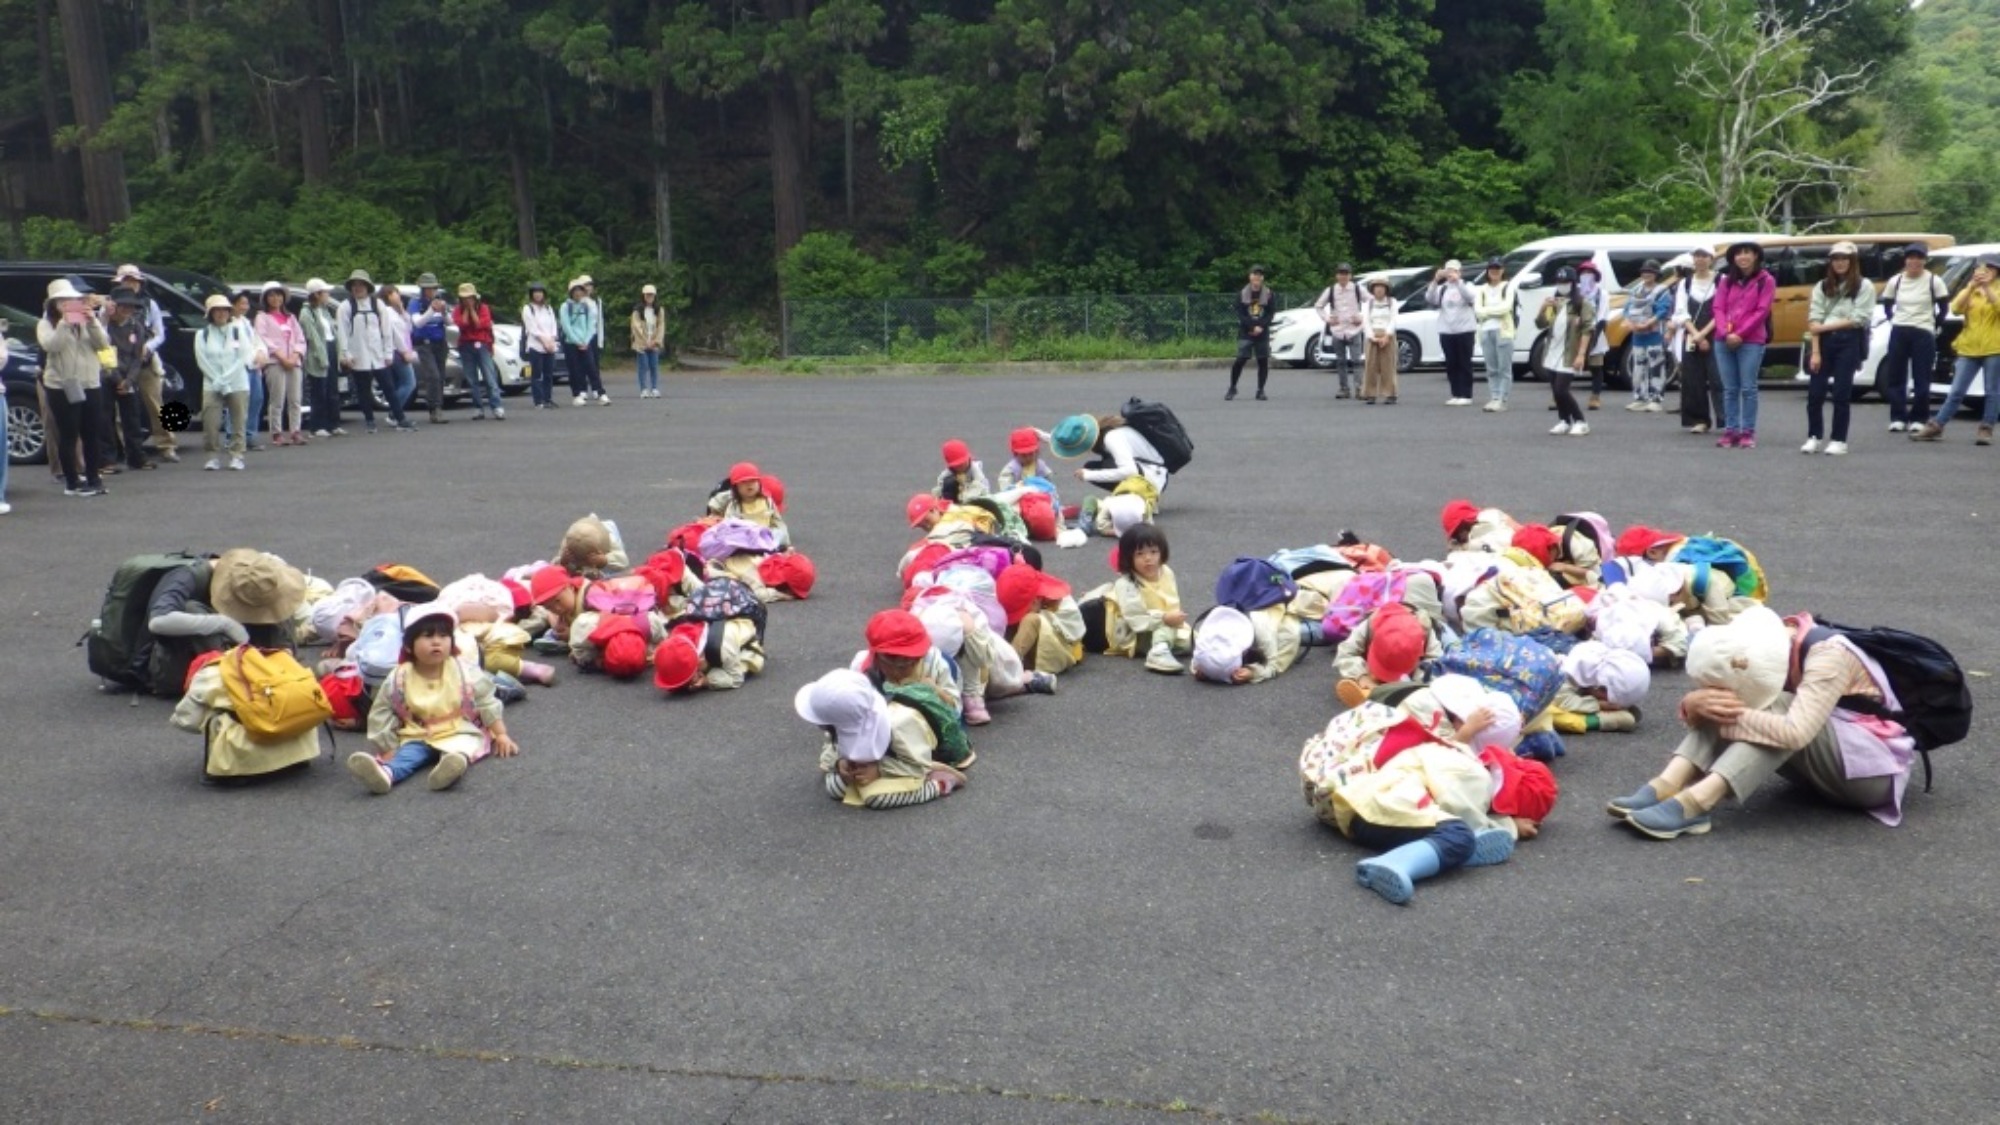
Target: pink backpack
1365,593
628,595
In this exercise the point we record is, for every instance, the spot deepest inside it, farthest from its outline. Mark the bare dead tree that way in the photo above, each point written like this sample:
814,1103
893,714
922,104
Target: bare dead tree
1753,67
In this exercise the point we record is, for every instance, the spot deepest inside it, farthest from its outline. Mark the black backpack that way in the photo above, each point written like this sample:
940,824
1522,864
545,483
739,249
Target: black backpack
1157,423
1937,705
119,646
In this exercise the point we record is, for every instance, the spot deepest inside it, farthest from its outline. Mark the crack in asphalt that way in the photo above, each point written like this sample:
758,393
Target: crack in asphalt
1176,1107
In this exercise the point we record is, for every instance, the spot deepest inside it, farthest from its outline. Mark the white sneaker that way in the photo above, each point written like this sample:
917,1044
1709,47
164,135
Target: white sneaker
1490,407
339,432
1161,659
1812,445
1836,449
1635,405
236,464
499,412
579,400
5,507
371,773
1580,429
1458,402
450,767
1653,408
1499,407
603,399
212,465
322,433
1897,427
1559,429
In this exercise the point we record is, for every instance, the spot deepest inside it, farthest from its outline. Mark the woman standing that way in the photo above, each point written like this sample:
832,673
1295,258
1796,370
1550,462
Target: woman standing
1571,321
578,319
402,376
1378,369
1493,306
71,339
474,319
1978,348
284,368
1694,325
1456,324
543,337
320,321
1743,321
1836,335
649,333
225,383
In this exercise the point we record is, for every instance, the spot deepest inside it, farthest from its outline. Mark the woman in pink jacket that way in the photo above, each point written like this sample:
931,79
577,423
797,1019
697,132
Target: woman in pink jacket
1742,314
284,342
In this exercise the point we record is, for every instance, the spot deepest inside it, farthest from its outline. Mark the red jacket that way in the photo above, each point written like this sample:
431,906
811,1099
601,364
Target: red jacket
475,329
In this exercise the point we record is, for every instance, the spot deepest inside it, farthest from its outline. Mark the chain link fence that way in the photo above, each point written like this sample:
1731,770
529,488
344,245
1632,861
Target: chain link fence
825,328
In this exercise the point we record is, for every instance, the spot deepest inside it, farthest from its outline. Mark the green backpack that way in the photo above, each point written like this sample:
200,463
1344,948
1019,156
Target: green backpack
119,647
953,747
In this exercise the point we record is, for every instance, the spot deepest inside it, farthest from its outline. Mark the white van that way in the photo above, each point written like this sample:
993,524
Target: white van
1531,272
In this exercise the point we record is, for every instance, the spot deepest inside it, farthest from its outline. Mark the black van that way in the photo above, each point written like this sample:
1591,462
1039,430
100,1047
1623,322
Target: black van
179,293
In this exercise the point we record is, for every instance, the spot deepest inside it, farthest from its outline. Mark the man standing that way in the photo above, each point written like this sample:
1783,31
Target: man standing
151,374
428,316
1253,331
1340,307
367,345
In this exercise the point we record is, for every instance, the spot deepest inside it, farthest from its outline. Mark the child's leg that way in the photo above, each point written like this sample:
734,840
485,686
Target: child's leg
408,759
1409,855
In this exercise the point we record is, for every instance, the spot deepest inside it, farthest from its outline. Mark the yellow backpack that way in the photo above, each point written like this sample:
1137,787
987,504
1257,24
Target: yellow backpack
273,695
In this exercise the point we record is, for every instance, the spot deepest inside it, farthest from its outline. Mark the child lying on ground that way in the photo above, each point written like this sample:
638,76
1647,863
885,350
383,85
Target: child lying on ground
1602,689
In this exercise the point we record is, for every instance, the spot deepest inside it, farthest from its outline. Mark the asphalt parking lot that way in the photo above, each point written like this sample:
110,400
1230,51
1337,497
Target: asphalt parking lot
654,914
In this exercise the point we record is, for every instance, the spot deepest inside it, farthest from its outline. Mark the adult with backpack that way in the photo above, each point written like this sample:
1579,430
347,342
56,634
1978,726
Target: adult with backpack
1915,302
1341,305
367,346
1842,712
1145,440
163,611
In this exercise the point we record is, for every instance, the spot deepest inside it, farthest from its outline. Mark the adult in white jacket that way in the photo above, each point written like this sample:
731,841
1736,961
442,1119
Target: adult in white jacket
1123,452
543,339
367,345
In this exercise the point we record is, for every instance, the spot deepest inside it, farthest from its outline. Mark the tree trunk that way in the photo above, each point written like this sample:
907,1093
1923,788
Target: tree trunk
788,164
163,125
663,215
52,117
105,199
204,102
524,199
315,146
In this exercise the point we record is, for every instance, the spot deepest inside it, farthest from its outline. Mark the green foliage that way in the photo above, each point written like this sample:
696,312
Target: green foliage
46,238
829,265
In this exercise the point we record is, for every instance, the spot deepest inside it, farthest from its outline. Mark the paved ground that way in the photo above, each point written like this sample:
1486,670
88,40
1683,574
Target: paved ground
654,914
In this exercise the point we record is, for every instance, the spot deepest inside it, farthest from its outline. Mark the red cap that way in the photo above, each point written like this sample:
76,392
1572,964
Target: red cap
1024,442
1018,586
669,564
921,505
1527,788
519,593
775,490
1638,539
1457,515
790,571
676,661
623,645
1396,644
744,471
925,558
1537,540
547,583
897,632
957,455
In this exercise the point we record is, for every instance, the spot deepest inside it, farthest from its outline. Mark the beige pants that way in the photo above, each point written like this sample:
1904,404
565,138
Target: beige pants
212,405
284,397
1042,650
1817,766
150,392
1378,375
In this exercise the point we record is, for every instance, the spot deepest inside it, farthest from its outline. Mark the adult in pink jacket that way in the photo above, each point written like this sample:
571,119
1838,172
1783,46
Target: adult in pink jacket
1743,298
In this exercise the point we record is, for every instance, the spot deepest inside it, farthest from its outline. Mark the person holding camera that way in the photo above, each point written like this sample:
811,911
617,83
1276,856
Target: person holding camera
1457,324
73,342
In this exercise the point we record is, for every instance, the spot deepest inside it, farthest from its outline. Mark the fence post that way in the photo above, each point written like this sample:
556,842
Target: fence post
988,306
1086,314
1187,317
885,327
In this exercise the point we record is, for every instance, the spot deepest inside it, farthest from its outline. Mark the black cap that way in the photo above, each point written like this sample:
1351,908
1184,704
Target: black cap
129,299
1257,269
1565,274
1495,264
79,284
1917,250
1650,265
1344,267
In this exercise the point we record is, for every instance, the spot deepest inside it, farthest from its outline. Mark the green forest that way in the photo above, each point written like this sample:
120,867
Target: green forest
740,150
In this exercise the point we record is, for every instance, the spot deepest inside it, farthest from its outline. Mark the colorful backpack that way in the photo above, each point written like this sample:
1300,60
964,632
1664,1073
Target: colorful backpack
628,595
1365,593
1527,672
723,598
1532,599
1709,553
274,696
1251,584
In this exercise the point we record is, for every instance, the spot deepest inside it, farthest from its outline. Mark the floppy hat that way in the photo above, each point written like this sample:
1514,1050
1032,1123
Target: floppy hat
1221,641
1622,674
427,280
957,454
467,289
317,285
61,289
844,700
360,277
575,283
1702,252
412,615
1073,436
897,632
585,279
1744,244
215,301
1375,283
1750,656
255,588
1844,249
649,291
1454,264
128,272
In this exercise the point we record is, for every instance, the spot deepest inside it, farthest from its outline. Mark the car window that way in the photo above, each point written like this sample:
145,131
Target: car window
20,322
1625,264
1798,265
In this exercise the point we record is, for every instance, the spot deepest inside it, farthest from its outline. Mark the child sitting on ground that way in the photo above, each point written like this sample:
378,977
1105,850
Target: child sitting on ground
1026,446
1428,802
436,707
907,668
1143,605
745,499
1043,623
878,752
963,478
1602,689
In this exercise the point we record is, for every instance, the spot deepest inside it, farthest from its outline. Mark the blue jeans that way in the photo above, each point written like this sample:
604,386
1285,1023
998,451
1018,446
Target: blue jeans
1905,375
1961,379
404,378
408,759
256,407
1453,839
1739,368
583,374
482,376
542,377
649,371
323,395
3,447
1498,355
1839,357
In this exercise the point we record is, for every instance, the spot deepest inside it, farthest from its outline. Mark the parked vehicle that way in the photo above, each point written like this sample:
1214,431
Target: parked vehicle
1296,336
1955,265
27,441
179,293
1530,272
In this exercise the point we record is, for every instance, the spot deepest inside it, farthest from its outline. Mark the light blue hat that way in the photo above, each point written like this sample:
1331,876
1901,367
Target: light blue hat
1073,436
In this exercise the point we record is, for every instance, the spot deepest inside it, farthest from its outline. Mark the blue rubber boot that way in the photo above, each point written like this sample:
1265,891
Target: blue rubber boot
1394,874
1491,846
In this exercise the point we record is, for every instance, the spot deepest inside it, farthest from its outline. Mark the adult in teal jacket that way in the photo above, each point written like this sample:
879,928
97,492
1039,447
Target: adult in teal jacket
577,320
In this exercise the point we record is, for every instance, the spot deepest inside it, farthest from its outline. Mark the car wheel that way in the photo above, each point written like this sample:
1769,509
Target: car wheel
1537,353
1617,368
1408,352
1316,354
27,444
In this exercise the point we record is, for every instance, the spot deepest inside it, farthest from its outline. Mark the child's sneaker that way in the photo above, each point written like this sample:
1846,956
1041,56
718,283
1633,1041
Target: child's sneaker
371,773
1161,660
535,672
1727,440
975,711
1042,683
212,465
450,767
1746,439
